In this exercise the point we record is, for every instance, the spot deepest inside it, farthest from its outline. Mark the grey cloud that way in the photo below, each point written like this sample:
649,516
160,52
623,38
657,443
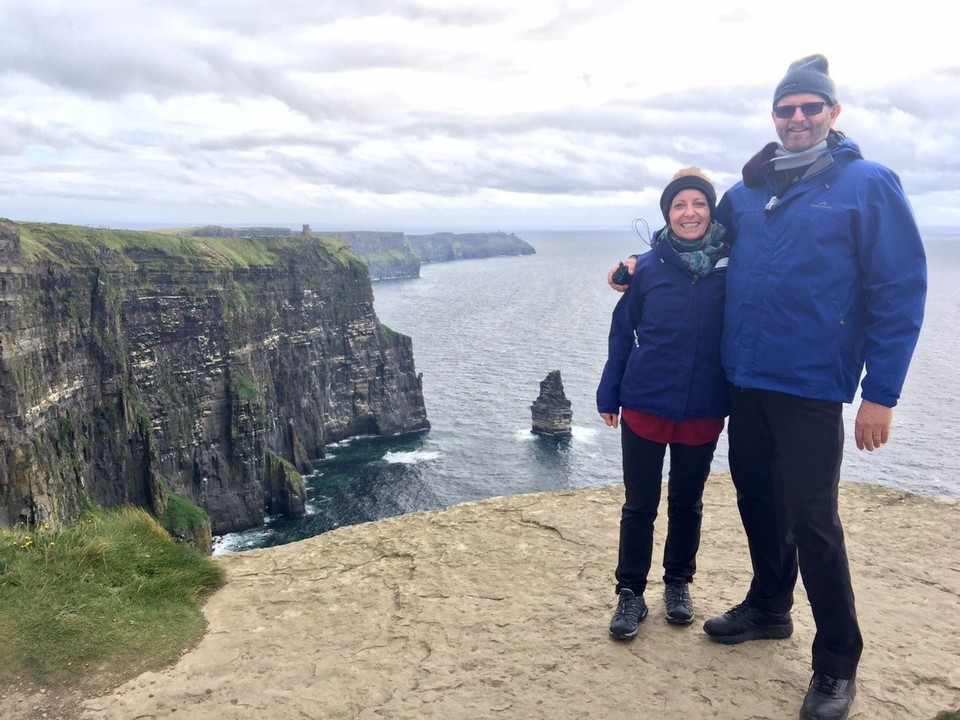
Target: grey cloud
265,140
914,128
177,48
247,16
17,133
565,18
610,141
78,49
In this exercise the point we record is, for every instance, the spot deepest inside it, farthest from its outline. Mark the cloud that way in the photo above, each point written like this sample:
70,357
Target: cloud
382,111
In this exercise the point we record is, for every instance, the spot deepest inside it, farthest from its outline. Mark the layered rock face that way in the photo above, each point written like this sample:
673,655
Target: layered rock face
388,255
136,363
552,414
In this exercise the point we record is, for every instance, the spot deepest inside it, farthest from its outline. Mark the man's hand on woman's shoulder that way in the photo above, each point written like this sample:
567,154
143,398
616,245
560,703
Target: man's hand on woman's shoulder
630,264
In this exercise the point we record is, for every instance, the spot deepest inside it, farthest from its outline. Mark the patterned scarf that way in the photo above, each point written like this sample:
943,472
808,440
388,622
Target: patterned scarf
700,256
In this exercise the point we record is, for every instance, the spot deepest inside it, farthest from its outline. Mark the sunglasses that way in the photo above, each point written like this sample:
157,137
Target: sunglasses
785,112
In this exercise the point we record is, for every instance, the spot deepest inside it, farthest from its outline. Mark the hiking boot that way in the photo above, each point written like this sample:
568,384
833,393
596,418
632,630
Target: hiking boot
746,622
631,609
676,596
828,698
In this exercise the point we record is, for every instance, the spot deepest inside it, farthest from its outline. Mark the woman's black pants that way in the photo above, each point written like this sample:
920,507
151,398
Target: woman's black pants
642,480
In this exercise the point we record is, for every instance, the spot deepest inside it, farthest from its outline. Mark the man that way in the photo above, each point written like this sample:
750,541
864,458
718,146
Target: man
827,277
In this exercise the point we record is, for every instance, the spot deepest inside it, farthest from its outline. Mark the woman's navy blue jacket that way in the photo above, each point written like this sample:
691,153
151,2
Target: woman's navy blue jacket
664,345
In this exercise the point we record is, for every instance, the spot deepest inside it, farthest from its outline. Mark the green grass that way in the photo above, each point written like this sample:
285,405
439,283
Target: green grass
110,597
245,388
181,515
125,250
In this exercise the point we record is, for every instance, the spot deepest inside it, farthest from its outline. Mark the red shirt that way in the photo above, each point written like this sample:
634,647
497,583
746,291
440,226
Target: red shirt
696,431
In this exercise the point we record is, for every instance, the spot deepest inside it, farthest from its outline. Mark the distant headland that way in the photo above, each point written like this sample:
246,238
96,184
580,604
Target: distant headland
395,255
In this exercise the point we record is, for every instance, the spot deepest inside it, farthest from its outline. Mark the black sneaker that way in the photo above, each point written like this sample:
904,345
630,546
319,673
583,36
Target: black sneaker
631,609
676,596
828,698
745,622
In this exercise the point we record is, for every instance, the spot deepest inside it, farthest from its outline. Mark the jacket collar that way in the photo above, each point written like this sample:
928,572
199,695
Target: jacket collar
754,175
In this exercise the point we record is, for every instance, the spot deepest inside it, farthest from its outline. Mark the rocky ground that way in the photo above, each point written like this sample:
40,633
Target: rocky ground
499,609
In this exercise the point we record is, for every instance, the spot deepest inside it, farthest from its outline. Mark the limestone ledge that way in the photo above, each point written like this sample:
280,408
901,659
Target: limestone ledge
499,609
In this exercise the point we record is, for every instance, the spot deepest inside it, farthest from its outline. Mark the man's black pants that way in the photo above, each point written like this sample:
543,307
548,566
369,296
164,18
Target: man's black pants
785,454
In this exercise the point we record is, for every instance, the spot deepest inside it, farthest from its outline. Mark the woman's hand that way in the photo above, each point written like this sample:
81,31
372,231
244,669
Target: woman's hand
611,419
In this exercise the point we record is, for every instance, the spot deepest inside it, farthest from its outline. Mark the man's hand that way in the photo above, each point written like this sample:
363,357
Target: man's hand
610,419
631,263
872,428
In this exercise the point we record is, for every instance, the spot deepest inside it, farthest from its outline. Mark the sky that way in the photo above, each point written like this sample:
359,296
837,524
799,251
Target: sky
456,115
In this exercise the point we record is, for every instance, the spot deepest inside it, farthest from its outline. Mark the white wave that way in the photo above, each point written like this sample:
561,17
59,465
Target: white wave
410,458
233,542
577,432
587,434
312,506
347,442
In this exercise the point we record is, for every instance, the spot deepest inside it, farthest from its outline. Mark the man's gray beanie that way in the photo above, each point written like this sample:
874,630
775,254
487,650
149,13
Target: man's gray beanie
807,75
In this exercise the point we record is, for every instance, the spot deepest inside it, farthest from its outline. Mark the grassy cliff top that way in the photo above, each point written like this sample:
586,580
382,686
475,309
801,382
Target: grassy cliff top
81,246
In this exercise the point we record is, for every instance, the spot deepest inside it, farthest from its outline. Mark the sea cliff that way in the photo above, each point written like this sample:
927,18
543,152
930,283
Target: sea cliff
136,364
395,255
443,247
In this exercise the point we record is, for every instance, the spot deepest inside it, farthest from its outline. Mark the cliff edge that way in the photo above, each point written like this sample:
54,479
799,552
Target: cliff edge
499,609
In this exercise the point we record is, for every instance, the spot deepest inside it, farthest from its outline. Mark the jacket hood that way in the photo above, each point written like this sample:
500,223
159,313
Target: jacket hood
842,148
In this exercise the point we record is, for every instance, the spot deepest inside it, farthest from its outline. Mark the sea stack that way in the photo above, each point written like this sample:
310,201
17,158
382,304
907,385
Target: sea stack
551,411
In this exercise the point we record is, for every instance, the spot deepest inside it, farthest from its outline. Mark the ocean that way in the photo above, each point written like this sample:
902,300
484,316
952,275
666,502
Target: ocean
486,332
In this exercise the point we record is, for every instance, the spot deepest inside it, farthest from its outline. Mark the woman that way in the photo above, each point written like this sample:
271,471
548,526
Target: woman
664,380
